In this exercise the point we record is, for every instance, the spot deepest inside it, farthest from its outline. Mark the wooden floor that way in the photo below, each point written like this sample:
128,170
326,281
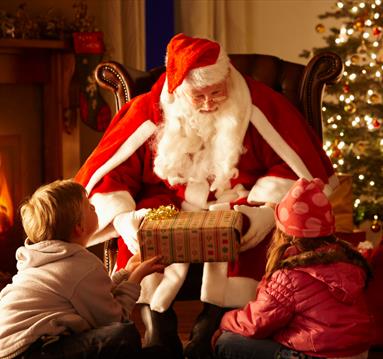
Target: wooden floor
187,312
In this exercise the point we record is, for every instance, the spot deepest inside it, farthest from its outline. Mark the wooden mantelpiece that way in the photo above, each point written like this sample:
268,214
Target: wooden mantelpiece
50,64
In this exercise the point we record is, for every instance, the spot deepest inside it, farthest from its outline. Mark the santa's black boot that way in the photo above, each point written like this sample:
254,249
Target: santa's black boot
207,323
161,332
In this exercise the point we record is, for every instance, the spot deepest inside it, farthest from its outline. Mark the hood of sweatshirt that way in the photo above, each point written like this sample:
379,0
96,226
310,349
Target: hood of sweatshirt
37,254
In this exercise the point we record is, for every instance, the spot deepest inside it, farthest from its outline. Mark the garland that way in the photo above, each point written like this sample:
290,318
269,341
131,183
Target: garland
22,25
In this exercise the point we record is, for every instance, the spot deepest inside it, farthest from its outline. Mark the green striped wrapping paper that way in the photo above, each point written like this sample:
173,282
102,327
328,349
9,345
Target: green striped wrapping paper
192,237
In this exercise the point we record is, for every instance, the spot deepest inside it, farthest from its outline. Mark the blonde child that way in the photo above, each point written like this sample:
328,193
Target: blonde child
311,301
62,303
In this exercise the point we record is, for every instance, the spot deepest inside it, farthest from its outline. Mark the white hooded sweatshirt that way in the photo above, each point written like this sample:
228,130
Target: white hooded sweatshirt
60,287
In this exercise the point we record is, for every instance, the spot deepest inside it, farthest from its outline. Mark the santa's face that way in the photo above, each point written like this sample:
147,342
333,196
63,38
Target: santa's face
207,99
189,142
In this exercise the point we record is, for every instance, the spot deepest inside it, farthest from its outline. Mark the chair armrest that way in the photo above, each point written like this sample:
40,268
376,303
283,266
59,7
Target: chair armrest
323,69
113,77
125,82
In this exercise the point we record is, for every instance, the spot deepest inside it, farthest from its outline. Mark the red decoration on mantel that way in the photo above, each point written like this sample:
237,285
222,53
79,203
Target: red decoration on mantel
88,42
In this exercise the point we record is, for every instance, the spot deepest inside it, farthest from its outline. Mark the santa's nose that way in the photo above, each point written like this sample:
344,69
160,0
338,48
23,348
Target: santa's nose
208,104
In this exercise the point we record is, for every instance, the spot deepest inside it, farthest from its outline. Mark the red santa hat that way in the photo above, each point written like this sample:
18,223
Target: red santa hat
186,53
305,211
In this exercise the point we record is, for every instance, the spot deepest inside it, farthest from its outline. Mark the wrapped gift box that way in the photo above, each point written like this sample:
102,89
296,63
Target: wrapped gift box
342,204
192,237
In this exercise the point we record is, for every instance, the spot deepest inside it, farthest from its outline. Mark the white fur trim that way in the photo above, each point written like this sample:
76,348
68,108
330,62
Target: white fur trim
210,74
197,193
224,206
272,189
219,289
102,236
278,144
109,205
148,287
188,207
160,290
135,141
233,194
333,182
269,189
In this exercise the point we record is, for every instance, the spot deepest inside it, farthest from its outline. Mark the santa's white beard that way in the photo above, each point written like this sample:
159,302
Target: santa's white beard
197,147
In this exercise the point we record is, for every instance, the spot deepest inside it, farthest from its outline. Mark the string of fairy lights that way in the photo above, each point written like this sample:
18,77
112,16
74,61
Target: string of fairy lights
353,109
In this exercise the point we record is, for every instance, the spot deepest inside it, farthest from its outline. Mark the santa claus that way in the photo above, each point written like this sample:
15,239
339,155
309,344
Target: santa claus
204,138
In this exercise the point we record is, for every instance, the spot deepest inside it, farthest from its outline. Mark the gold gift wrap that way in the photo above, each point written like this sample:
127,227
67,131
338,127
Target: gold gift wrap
192,237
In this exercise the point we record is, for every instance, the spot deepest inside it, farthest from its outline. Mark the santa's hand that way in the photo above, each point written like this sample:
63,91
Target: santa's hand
127,224
261,223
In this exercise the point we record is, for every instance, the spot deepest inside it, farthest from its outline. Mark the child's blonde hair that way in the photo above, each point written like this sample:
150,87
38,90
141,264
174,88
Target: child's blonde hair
52,212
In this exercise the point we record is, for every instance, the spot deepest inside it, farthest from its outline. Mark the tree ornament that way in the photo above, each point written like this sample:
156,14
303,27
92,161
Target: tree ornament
379,56
358,25
376,31
320,28
355,59
362,49
336,153
346,88
350,107
362,52
361,147
375,226
375,122
374,98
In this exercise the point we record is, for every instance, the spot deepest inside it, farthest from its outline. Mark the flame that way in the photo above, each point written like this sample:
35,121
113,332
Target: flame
6,206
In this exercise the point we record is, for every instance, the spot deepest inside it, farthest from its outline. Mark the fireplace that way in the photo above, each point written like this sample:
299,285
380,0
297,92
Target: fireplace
9,181
36,145
10,195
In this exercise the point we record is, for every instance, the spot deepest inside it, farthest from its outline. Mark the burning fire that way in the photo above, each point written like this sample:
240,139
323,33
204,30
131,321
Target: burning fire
6,206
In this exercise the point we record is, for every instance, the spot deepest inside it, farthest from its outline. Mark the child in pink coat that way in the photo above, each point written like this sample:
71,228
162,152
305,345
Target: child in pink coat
311,301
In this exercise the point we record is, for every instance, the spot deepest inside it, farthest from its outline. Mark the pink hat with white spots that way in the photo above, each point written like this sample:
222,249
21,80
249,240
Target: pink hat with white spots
305,210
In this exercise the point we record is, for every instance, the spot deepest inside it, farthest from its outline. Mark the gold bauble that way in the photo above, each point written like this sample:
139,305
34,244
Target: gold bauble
360,147
374,98
355,59
375,226
350,107
320,28
358,26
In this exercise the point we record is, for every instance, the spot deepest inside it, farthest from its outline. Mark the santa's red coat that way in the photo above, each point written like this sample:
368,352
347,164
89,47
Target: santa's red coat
280,147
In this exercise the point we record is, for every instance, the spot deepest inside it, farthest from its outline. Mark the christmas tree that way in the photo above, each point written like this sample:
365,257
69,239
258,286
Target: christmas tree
353,109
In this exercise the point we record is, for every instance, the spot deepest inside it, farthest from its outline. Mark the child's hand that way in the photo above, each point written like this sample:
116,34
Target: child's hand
145,268
133,262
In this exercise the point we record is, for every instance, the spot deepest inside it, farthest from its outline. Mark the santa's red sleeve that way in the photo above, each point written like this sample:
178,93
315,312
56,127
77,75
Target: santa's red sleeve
288,134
